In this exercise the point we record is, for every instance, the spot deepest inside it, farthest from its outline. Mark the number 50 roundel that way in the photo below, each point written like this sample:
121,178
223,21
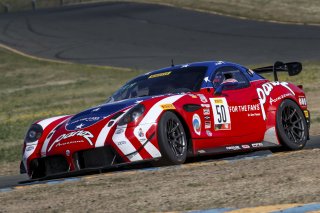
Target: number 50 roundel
221,114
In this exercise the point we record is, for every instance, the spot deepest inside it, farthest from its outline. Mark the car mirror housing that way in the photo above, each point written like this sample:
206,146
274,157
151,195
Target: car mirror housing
226,83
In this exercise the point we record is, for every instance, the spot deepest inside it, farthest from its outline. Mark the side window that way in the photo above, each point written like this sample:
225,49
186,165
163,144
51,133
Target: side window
229,72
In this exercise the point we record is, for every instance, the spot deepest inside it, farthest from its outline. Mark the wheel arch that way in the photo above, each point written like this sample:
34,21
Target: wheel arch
276,106
187,131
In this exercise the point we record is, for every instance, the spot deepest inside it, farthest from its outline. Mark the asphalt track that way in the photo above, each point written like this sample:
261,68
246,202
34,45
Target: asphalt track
8,183
146,36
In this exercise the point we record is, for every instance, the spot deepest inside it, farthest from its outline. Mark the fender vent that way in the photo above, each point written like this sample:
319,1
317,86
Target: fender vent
191,107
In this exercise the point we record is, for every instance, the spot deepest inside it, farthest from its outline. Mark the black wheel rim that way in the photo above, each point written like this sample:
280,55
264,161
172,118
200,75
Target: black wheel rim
293,125
176,137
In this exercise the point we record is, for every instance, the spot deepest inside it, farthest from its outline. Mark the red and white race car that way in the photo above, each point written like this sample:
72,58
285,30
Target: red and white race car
170,114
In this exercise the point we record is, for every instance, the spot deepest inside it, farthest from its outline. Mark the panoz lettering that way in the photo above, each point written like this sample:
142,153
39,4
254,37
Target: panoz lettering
85,134
265,91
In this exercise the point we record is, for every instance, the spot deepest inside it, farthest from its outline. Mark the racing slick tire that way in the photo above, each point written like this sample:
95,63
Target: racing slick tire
291,126
172,140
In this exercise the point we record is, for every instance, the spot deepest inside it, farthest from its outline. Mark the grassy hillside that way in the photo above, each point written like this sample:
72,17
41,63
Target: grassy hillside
297,11
31,89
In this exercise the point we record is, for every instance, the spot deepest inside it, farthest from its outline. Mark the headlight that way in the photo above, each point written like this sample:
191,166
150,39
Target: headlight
34,133
132,115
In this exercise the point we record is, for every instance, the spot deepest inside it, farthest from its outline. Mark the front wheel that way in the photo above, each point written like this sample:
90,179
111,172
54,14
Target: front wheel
172,140
291,125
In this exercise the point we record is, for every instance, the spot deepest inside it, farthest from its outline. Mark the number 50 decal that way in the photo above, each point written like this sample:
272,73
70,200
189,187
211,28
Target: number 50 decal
221,114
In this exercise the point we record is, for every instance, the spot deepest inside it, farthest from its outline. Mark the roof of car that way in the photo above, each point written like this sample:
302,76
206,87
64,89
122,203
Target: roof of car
212,65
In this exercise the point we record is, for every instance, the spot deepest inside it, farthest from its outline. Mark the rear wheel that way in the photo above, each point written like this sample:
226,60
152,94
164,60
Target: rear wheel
291,125
172,140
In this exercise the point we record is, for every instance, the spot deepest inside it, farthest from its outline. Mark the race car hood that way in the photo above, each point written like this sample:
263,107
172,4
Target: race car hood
93,115
82,130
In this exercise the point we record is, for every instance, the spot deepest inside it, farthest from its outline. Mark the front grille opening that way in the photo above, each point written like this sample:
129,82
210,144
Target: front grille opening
42,167
56,164
98,157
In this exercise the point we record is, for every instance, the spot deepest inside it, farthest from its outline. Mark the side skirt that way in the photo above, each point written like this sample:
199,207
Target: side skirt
237,148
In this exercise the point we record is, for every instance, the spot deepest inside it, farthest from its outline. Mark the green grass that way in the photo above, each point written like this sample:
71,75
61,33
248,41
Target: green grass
298,11
31,89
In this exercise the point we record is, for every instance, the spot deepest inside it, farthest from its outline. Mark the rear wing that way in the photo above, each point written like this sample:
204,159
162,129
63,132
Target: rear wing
293,68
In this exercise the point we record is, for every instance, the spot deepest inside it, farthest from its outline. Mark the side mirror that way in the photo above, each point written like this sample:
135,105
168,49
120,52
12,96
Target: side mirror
227,83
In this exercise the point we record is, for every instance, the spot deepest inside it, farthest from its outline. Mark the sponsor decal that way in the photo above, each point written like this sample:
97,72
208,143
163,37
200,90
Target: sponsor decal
218,127
209,133
68,143
119,131
96,109
167,106
255,145
233,148
201,151
265,90
279,98
303,101
207,117
205,105
29,148
89,119
67,152
141,133
203,98
160,74
218,101
121,143
245,146
85,134
207,124
193,96
219,63
221,114
306,113
157,96
196,122
83,122
254,114
206,111
245,108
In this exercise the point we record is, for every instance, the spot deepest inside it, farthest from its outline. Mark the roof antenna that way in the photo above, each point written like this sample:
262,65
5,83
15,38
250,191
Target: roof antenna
172,64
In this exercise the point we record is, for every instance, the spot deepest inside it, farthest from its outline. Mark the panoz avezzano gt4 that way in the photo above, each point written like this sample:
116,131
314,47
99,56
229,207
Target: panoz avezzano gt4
170,114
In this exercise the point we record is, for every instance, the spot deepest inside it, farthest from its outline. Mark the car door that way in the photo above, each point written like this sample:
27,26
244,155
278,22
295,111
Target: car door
237,117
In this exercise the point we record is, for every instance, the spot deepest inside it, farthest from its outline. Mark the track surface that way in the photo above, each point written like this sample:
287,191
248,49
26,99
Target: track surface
10,181
147,36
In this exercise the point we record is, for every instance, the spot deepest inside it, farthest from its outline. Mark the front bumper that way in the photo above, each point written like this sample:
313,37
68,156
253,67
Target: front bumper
82,160
88,171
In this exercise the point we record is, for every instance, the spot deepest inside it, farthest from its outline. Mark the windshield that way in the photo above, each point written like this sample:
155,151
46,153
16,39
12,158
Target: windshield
179,80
